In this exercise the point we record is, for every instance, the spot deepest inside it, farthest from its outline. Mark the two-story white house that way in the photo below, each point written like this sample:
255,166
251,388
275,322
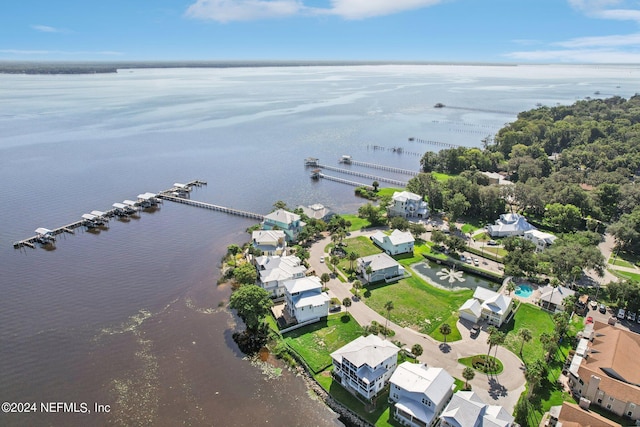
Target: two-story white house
269,242
398,242
408,205
286,221
419,393
509,224
486,304
539,238
365,364
466,409
374,268
273,271
304,299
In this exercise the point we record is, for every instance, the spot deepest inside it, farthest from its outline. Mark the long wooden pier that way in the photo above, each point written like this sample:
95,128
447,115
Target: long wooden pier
211,206
312,162
436,143
148,201
317,175
350,161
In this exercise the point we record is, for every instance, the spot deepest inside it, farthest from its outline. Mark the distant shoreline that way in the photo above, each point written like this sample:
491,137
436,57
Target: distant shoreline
95,67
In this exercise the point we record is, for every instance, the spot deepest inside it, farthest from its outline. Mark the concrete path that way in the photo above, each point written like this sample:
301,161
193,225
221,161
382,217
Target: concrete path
503,389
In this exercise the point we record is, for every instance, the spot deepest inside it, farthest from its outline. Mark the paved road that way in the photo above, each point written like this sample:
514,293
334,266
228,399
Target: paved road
503,389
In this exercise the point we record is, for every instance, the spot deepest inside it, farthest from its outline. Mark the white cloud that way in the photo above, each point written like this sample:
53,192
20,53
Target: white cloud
620,10
249,10
58,52
243,10
361,9
48,29
603,41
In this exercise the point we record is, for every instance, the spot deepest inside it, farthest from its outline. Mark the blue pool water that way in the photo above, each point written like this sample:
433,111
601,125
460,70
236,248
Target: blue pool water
524,291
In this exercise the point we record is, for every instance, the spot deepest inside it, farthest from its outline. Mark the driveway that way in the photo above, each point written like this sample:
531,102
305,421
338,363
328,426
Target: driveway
503,389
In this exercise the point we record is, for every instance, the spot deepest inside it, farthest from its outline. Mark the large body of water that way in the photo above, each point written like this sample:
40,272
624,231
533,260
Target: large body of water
130,316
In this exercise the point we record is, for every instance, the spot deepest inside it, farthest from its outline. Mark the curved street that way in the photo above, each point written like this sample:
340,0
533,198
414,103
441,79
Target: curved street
503,389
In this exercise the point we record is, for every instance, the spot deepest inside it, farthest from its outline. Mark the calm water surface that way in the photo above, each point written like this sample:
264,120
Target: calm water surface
130,316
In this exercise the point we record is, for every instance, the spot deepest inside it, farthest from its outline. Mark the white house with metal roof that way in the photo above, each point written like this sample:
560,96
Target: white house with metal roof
270,242
305,300
382,266
273,271
509,224
286,221
365,364
419,393
466,409
494,307
408,205
398,242
539,238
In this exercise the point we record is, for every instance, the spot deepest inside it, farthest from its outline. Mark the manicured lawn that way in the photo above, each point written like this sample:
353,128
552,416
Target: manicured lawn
442,177
388,191
418,304
468,228
496,250
361,245
620,262
356,222
314,343
626,275
537,321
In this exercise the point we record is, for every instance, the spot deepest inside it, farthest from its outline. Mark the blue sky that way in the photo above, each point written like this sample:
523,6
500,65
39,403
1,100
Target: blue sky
523,31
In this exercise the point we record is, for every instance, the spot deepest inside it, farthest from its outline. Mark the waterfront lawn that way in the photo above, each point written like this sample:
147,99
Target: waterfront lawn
388,191
418,304
315,342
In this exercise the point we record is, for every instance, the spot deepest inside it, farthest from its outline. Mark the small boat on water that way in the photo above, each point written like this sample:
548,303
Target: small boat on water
439,105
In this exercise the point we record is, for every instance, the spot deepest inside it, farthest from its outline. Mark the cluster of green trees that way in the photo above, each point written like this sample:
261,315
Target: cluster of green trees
573,167
566,259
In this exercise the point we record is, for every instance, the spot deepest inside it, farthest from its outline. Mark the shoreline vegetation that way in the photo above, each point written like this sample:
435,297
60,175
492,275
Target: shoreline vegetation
95,67
557,182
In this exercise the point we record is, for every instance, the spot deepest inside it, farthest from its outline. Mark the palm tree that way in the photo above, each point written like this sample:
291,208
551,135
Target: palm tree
492,331
526,336
511,286
347,303
369,270
499,339
468,374
357,285
352,257
445,329
324,279
334,261
375,185
387,306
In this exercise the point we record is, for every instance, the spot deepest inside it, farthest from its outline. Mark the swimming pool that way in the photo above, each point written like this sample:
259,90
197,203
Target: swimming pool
524,291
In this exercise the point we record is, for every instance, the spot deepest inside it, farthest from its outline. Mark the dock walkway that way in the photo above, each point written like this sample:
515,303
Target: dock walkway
210,206
364,175
377,166
179,193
